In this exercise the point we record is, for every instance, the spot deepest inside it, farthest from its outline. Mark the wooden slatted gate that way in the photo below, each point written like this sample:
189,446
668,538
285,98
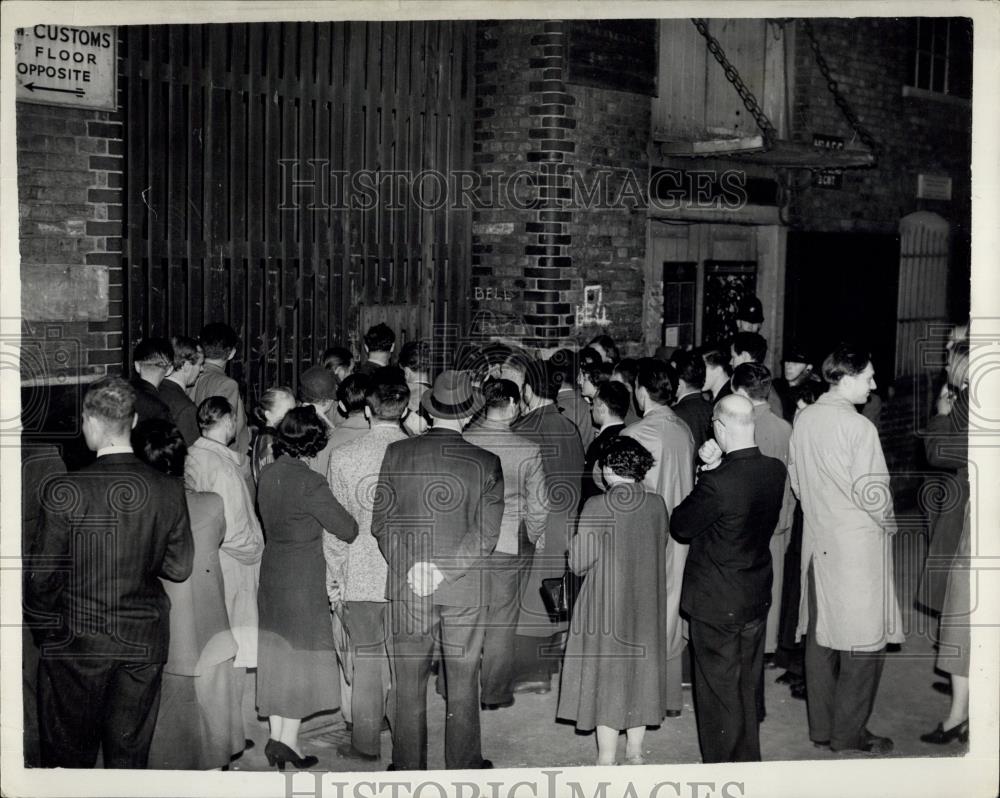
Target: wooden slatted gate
210,113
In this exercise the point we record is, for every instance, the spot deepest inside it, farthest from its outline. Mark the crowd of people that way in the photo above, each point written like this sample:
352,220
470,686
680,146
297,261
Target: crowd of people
388,522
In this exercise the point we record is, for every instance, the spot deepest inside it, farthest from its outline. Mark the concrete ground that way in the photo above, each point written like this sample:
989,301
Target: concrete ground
527,735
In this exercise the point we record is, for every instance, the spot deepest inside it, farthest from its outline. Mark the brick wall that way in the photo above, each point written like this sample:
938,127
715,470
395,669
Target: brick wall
69,195
869,59
530,265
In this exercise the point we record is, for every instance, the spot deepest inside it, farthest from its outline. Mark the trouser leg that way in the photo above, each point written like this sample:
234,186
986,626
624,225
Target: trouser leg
857,685
718,704
461,630
751,688
412,633
789,654
71,710
675,678
365,622
133,699
822,665
501,622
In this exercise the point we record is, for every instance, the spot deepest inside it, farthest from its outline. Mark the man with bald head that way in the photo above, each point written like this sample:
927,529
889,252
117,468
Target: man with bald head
728,520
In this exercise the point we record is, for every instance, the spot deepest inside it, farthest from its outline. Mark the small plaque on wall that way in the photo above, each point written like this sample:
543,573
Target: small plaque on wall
934,187
64,293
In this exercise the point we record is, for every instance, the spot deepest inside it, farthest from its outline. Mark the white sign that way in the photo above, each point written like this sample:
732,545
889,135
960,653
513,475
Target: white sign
63,65
936,187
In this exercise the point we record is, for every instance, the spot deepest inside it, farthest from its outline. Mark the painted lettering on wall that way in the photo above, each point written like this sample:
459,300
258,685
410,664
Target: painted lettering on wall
491,294
593,310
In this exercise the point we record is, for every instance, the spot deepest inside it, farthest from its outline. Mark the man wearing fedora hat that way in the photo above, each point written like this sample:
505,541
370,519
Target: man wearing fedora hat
436,517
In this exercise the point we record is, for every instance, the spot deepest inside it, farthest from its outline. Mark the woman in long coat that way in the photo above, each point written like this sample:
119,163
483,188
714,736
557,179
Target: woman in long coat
213,467
614,670
200,722
297,669
946,444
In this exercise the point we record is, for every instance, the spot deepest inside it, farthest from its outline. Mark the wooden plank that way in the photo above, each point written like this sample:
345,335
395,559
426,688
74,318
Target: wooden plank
387,254
238,162
134,176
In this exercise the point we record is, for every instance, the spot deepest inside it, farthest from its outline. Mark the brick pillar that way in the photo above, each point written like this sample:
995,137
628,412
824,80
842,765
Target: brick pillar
521,259
552,261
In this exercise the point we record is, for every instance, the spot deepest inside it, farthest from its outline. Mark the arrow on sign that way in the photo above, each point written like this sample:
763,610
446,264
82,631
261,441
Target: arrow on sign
32,87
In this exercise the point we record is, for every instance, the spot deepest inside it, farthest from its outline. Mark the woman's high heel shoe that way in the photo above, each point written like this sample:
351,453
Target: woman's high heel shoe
940,736
280,754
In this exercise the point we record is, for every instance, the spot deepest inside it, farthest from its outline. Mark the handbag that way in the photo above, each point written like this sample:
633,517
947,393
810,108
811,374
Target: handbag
559,595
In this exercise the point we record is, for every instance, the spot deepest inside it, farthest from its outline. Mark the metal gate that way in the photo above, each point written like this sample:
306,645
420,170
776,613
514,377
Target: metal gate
211,111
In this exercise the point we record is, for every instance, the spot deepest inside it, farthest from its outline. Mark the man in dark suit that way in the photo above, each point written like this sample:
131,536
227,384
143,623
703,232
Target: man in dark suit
728,520
106,533
690,405
187,365
436,518
609,408
153,361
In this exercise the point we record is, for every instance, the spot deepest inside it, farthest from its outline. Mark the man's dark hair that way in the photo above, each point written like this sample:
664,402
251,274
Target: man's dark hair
380,338
626,457
499,393
753,378
211,411
112,400
587,357
690,367
217,339
301,433
337,356
415,355
543,379
159,443
715,355
352,391
607,343
751,343
154,351
658,379
387,394
846,360
627,367
185,350
598,372
616,396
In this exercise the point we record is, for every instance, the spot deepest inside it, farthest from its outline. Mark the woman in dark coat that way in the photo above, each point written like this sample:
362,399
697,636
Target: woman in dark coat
273,405
200,722
614,670
296,666
946,443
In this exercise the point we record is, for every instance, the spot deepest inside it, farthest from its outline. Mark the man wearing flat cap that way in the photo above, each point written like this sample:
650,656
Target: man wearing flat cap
436,517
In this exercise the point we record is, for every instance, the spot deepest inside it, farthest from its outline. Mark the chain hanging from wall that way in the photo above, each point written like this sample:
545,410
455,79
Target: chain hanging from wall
792,161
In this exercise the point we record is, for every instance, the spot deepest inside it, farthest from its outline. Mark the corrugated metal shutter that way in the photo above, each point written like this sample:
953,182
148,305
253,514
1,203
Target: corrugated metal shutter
923,289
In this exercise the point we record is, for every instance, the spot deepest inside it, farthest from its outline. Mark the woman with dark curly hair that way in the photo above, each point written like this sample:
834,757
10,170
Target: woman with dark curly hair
614,669
296,665
200,722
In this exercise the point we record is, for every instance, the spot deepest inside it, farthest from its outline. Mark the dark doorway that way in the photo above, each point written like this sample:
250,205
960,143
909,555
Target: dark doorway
843,287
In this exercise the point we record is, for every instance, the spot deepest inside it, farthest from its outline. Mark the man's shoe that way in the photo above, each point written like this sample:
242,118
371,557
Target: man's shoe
870,744
789,678
247,746
486,765
539,687
821,744
769,663
673,713
799,691
348,751
499,705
